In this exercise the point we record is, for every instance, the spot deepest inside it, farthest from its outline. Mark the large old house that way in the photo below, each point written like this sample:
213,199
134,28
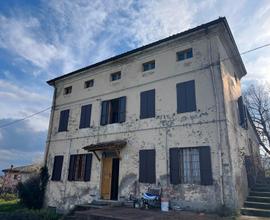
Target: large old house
169,114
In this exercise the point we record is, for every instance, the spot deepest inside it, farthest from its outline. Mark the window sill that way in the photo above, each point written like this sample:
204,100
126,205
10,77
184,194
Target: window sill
148,73
67,95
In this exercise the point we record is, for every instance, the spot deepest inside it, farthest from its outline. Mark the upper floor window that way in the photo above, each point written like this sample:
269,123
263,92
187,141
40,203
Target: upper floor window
191,165
115,76
184,54
80,167
89,83
85,116
186,97
63,121
147,104
243,120
149,65
67,90
57,168
113,111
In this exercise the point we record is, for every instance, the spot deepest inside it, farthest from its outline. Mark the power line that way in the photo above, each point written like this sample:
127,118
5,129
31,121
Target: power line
22,119
32,115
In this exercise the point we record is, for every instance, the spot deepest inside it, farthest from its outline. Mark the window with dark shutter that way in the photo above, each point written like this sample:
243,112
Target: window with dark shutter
80,167
186,97
191,165
147,169
85,116
147,104
57,168
205,166
175,166
63,122
242,113
149,65
184,54
113,111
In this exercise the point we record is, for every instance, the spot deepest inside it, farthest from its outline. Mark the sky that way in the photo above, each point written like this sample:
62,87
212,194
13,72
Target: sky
40,40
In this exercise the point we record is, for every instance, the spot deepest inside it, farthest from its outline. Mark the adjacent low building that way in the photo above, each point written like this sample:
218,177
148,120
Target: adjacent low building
169,114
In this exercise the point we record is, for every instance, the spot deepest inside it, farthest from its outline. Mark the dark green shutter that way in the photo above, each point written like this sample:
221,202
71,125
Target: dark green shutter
122,109
57,168
147,104
143,109
175,174
242,113
147,166
85,116
186,96
63,121
205,166
151,103
104,112
88,166
72,166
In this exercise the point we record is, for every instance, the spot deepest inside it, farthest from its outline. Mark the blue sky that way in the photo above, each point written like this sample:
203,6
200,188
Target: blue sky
40,40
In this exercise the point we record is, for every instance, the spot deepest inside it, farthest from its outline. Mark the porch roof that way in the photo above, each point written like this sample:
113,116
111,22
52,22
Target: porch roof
104,146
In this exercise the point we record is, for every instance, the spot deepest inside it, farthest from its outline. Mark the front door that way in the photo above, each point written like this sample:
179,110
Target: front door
110,175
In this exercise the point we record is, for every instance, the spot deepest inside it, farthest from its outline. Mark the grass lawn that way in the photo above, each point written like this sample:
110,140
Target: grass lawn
10,210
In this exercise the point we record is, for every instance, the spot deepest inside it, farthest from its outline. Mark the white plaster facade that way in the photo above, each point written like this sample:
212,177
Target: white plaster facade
214,123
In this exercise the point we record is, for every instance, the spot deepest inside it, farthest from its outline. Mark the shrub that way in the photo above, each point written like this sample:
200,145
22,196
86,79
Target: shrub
8,196
31,192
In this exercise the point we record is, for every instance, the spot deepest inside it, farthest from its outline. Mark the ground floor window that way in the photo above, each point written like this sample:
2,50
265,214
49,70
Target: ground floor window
80,167
147,169
191,165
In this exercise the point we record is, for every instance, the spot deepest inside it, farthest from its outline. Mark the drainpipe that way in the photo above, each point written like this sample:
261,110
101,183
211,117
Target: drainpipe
217,118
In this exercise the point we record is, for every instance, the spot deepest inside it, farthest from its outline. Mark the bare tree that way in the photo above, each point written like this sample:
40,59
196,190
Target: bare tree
257,99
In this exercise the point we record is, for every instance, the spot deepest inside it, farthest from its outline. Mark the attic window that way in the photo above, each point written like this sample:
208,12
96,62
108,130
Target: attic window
67,90
149,65
184,54
89,83
115,76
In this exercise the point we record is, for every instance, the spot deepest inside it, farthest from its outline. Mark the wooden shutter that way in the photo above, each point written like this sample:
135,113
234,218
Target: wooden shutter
147,104
104,112
85,116
186,97
63,122
205,166
147,172
242,112
57,168
175,174
143,110
72,167
122,109
88,166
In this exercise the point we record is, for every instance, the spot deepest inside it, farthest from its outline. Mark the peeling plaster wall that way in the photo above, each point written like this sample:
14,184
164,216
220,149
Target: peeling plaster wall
205,127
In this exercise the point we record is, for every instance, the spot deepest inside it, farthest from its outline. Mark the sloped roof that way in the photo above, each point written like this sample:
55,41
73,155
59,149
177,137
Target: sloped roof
24,169
200,27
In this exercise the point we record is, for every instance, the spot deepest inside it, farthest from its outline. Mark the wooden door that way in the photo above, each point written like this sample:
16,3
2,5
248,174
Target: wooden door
106,178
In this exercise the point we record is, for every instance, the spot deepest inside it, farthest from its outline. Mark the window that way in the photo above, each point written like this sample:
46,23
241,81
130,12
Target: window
184,54
115,76
57,168
80,167
89,83
147,104
147,172
63,122
242,113
191,165
186,98
67,90
149,65
113,111
85,116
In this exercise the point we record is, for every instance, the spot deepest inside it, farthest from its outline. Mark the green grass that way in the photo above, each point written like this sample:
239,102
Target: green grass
9,206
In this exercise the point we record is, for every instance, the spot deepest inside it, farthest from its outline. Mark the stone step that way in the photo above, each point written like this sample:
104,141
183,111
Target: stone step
258,205
258,199
261,189
112,203
261,194
88,206
255,212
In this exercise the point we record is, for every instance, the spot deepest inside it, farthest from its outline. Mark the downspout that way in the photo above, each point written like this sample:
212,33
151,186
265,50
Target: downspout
217,119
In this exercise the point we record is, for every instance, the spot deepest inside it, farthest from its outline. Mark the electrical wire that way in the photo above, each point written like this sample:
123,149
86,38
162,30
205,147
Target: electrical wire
34,114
